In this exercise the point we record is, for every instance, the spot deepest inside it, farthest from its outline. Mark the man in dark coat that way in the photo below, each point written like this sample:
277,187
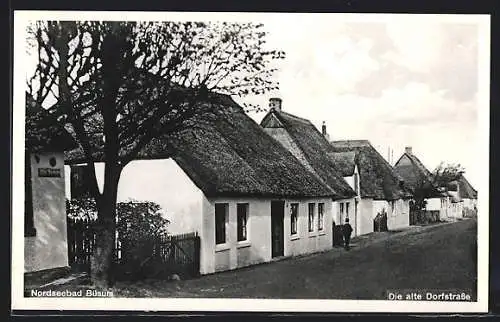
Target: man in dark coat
346,231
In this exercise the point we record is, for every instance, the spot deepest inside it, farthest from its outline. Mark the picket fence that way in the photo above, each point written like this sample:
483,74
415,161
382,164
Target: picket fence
153,257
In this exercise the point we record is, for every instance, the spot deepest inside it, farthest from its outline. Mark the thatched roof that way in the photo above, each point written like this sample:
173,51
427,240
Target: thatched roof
42,130
315,148
416,175
228,154
465,189
377,178
344,161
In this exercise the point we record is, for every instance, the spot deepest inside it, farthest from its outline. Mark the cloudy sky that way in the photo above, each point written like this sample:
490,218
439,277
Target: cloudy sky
398,82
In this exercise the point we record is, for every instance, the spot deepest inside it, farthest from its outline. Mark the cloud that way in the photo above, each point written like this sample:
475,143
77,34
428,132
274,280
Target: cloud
443,55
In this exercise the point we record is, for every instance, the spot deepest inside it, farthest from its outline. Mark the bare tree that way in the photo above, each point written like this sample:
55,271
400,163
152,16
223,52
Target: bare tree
119,85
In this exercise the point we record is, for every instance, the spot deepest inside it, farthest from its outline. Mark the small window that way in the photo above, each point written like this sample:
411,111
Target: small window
347,210
242,214
341,208
311,217
29,223
321,210
220,222
294,214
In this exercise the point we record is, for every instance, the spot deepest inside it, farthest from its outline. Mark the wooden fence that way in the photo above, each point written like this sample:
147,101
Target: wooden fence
380,222
151,257
338,236
422,217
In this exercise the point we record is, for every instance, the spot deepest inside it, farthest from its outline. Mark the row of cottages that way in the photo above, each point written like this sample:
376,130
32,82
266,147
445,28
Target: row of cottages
350,168
420,180
247,196
452,201
381,190
45,234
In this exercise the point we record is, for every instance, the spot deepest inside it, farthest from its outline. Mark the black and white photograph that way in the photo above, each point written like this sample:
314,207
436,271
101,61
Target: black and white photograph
284,162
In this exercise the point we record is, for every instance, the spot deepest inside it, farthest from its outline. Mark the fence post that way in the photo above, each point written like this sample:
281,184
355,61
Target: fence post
196,259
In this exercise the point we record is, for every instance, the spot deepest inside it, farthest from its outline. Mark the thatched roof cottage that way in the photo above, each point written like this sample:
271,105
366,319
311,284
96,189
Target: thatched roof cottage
307,144
420,181
244,193
381,190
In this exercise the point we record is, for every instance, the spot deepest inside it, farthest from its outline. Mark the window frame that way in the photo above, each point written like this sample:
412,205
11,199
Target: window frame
311,209
294,219
225,207
242,233
321,216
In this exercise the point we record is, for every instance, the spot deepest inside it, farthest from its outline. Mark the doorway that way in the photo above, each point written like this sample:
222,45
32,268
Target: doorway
277,228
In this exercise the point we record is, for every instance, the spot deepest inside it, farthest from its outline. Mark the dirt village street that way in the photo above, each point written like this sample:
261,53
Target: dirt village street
435,257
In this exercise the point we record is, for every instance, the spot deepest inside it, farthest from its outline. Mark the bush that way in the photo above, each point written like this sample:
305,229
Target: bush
135,219
139,224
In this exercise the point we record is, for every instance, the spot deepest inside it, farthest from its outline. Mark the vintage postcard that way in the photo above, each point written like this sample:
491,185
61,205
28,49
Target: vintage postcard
284,162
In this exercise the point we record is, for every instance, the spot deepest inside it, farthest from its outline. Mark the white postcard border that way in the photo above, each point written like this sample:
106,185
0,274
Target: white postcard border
19,302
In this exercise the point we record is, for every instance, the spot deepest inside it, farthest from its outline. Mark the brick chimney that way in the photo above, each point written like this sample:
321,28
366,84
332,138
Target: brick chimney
275,104
324,132
408,150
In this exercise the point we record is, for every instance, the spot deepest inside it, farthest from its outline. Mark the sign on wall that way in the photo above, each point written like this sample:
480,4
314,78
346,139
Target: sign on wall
49,172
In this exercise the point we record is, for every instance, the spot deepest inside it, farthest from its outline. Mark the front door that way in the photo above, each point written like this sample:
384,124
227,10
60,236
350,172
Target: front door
277,229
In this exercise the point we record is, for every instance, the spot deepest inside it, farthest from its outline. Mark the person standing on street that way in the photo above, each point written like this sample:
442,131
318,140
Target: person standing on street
346,231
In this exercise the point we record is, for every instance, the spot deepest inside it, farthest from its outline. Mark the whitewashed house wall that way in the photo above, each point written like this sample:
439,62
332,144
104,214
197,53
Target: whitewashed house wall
433,204
398,216
257,248
188,209
48,249
163,182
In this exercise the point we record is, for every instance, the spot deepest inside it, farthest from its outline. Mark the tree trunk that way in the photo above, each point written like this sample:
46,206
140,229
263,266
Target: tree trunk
101,268
102,260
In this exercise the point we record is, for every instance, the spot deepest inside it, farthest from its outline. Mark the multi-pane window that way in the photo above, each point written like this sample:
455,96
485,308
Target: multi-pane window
29,224
321,210
311,216
220,222
294,214
242,218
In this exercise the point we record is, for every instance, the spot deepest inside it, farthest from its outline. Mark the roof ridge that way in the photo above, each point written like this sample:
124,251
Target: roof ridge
415,159
295,116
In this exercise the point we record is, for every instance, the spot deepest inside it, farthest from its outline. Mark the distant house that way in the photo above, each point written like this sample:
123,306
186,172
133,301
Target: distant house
307,144
249,199
380,190
420,180
467,193
462,196
45,234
